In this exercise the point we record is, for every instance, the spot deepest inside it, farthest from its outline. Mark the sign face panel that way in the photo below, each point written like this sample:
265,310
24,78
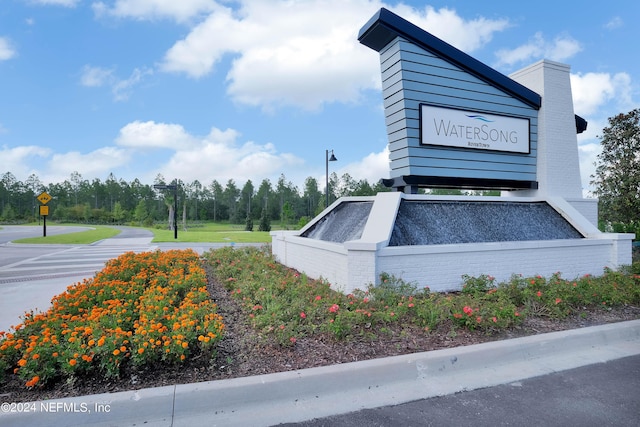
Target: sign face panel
451,127
44,210
44,198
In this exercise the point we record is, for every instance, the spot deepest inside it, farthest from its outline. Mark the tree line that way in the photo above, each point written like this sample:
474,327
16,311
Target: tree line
616,183
116,201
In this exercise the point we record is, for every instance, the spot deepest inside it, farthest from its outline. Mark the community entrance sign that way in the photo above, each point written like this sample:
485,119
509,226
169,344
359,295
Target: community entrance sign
454,122
451,127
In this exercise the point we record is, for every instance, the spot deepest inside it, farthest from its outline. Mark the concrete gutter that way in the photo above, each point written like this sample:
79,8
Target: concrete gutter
296,396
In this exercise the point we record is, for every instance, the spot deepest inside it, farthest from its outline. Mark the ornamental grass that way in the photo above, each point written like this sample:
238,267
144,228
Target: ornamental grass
281,302
141,309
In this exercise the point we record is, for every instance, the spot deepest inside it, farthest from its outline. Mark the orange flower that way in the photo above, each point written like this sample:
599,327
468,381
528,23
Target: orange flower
73,362
141,350
33,381
116,352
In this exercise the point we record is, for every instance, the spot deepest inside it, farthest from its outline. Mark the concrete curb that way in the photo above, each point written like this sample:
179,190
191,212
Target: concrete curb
318,392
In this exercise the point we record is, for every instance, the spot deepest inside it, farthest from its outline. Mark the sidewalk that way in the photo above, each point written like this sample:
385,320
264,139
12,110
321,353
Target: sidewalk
320,392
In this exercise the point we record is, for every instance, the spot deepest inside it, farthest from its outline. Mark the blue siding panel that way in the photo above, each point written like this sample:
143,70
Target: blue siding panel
411,76
463,155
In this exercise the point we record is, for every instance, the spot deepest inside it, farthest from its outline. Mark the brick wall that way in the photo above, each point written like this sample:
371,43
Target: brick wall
441,266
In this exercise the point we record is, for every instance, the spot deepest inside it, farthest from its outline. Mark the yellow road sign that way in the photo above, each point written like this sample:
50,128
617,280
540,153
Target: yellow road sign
44,198
44,210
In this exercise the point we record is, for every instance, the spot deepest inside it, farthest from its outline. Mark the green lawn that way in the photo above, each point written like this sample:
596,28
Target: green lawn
78,238
214,234
201,233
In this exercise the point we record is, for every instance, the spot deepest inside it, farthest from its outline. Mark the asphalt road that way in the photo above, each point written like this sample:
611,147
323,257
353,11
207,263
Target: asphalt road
15,232
605,394
30,275
10,254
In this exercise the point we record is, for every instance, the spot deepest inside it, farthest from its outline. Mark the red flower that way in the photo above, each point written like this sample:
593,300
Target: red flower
539,293
302,315
334,308
468,310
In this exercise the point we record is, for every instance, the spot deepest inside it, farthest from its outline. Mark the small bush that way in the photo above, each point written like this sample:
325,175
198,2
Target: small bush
287,305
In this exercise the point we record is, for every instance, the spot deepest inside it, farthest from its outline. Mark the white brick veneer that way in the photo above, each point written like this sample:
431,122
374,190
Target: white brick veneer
558,165
359,263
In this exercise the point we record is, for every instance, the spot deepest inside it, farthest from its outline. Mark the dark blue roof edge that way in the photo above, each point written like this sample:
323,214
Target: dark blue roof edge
385,26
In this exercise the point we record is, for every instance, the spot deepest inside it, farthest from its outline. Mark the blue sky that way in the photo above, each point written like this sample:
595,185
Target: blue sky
206,89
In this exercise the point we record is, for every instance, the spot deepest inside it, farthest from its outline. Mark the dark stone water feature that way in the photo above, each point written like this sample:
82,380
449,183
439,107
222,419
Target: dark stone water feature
345,222
447,222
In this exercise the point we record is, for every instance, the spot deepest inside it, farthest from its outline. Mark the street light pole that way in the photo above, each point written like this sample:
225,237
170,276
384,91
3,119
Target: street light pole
175,210
173,187
328,159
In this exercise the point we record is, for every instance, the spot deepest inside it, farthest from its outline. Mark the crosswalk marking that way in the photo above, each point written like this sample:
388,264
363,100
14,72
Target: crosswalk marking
77,260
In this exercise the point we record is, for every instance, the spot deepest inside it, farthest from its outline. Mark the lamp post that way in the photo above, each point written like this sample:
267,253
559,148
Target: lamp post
328,159
173,187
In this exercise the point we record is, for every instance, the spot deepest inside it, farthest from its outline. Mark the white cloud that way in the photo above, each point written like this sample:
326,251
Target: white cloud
220,156
287,55
122,88
588,155
447,25
18,159
597,96
560,49
6,49
373,167
154,135
91,76
96,163
614,23
95,76
592,90
180,10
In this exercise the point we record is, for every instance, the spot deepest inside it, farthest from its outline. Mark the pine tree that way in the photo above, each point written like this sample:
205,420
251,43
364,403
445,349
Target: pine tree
265,222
